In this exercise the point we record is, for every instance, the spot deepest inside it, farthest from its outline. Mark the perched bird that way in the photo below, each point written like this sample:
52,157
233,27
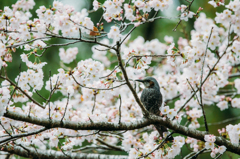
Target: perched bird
151,98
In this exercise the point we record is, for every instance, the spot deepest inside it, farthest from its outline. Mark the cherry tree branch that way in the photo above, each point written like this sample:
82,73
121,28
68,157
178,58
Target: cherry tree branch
223,122
15,137
120,63
80,40
97,88
234,75
198,153
22,91
94,100
15,88
113,147
170,100
110,72
111,135
114,126
65,108
159,146
119,110
51,45
193,90
186,10
27,42
201,83
89,147
49,154
140,56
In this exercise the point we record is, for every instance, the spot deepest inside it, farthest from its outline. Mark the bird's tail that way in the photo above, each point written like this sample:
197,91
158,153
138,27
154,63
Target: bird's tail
161,129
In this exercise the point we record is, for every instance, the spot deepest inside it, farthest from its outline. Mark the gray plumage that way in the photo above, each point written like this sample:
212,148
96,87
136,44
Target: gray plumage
151,98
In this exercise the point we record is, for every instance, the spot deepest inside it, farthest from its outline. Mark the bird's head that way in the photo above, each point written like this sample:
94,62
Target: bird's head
149,82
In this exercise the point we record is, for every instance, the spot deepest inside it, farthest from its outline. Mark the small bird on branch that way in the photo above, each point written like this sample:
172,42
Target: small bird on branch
151,98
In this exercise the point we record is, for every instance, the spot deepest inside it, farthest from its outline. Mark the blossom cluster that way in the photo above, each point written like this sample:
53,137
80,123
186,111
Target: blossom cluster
233,132
148,144
114,8
69,55
140,48
171,113
185,13
4,96
209,144
193,143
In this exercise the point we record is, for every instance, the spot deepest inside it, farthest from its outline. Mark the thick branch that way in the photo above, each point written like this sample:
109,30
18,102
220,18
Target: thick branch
113,126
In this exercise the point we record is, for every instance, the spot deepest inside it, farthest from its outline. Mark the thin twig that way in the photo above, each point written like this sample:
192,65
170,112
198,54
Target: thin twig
97,88
92,147
127,35
23,92
140,56
15,88
65,108
201,84
5,130
223,122
156,13
15,137
40,95
94,100
186,10
111,135
101,49
193,90
218,156
234,75
198,153
109,145
110,72
52,91
97,132
65,153
173,98
27,42
86,27
193,153
119,122
49,107
29,113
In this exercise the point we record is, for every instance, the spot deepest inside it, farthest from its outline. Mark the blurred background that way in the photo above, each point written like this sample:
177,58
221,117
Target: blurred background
157,29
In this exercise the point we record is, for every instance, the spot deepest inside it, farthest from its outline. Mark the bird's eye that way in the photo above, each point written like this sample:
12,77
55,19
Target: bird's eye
151,83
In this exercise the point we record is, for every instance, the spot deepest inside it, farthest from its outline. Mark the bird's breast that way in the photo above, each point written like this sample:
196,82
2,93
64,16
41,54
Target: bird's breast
152,100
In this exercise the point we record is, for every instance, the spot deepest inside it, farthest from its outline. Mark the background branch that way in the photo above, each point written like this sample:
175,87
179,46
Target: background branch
50,154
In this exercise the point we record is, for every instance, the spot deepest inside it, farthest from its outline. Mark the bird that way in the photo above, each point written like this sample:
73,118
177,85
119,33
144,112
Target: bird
151,98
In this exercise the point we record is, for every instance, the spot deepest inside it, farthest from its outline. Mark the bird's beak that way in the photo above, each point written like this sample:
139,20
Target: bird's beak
140,80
